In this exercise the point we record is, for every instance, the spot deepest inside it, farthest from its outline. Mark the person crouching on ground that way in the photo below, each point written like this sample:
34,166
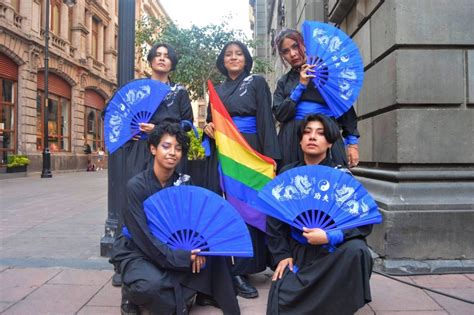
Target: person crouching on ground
325,282
155,278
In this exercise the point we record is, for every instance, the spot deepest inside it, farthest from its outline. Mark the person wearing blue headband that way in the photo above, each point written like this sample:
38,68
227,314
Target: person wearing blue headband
296,96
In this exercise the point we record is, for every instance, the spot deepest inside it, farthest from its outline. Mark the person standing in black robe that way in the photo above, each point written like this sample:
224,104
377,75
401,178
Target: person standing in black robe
247,99
156,278
296,96
135,155
326,281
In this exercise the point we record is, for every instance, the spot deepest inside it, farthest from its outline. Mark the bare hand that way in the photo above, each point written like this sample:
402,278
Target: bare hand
315,236
280,269
146,127
198,261
352,152
209,130
305,73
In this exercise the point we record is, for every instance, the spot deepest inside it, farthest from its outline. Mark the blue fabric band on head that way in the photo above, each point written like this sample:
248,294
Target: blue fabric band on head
305,108
246,124
297,92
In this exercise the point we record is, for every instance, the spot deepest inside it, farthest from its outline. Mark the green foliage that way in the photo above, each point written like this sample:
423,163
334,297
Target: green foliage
17,160
197,48
196,151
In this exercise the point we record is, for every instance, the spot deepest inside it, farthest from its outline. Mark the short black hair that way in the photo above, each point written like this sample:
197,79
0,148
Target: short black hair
171,54
248,58
172,129
331,130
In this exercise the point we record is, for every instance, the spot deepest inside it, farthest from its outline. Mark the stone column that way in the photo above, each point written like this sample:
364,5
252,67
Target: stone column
89,35
417,129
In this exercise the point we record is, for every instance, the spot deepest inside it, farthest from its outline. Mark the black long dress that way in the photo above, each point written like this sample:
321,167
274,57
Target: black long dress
134,156
326,283
153,275
247,95
284,109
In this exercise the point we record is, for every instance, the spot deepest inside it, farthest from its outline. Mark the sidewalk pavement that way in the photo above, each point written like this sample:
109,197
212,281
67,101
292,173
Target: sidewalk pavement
49,240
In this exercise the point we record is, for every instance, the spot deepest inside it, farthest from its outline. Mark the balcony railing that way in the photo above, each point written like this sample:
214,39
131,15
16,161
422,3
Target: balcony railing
56,41
17,20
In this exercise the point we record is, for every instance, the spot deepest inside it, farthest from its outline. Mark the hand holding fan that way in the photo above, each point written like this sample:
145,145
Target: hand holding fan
132,104
318,197
339,69
190,217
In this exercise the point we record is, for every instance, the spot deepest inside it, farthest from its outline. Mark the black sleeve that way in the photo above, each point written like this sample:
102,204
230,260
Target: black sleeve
283,107
156,251
267,135
361,231
348,123
278,233
185,108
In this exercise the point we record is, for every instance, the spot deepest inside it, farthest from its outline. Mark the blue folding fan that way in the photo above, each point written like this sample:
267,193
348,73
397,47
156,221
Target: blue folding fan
339,70
318,197
132,104
191,217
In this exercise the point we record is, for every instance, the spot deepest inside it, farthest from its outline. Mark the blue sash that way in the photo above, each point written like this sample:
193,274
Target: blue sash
246,124
305,108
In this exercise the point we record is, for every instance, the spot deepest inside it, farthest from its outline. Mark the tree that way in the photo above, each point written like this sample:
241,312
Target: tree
197,48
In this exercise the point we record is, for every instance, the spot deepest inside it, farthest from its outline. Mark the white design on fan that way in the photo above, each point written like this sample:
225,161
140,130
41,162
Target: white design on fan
324,185
133,96
115,122
352,207
344,194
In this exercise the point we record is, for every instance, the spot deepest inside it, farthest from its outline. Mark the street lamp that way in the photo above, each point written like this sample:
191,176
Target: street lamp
46,172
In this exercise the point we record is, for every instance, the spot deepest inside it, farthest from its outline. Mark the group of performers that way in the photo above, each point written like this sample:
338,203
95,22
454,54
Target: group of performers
158,280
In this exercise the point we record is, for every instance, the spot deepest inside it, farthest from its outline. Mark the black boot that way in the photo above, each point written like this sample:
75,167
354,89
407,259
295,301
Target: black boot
244,288
127,307
117,280
204,300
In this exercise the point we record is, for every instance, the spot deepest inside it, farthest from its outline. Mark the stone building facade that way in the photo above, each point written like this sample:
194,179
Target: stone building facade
82,76
416,119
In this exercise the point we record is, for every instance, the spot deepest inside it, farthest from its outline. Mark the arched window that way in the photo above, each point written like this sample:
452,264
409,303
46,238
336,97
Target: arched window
55,17
8,92
58,113
93,124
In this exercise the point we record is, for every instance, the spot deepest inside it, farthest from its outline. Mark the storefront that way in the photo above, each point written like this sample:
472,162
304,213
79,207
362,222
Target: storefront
8,104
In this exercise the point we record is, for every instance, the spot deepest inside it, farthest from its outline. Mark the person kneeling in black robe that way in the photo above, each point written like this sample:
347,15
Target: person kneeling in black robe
326,282
156,278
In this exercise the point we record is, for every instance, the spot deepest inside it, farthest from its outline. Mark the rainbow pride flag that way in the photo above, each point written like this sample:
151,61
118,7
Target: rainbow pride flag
243,170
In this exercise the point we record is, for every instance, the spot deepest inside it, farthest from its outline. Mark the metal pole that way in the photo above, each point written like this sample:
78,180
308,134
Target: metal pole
46,172
116,167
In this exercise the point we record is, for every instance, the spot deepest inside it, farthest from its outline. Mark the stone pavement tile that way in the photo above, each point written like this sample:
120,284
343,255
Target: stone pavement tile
54,299
107,296
82,277
391,295
470,276
99,310
16,283
2,268
366,310
259,309
453,306
4,305
443,281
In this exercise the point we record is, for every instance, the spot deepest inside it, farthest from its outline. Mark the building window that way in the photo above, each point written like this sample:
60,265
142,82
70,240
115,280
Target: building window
16,5
94,129
58,114
95,37
55,17
7,118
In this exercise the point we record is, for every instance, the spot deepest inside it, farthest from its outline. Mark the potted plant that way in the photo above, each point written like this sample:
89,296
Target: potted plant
196,158
17,163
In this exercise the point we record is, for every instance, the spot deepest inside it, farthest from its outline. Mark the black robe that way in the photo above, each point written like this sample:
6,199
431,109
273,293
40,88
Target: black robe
153,275
247,95
326,283
134,156
284,109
